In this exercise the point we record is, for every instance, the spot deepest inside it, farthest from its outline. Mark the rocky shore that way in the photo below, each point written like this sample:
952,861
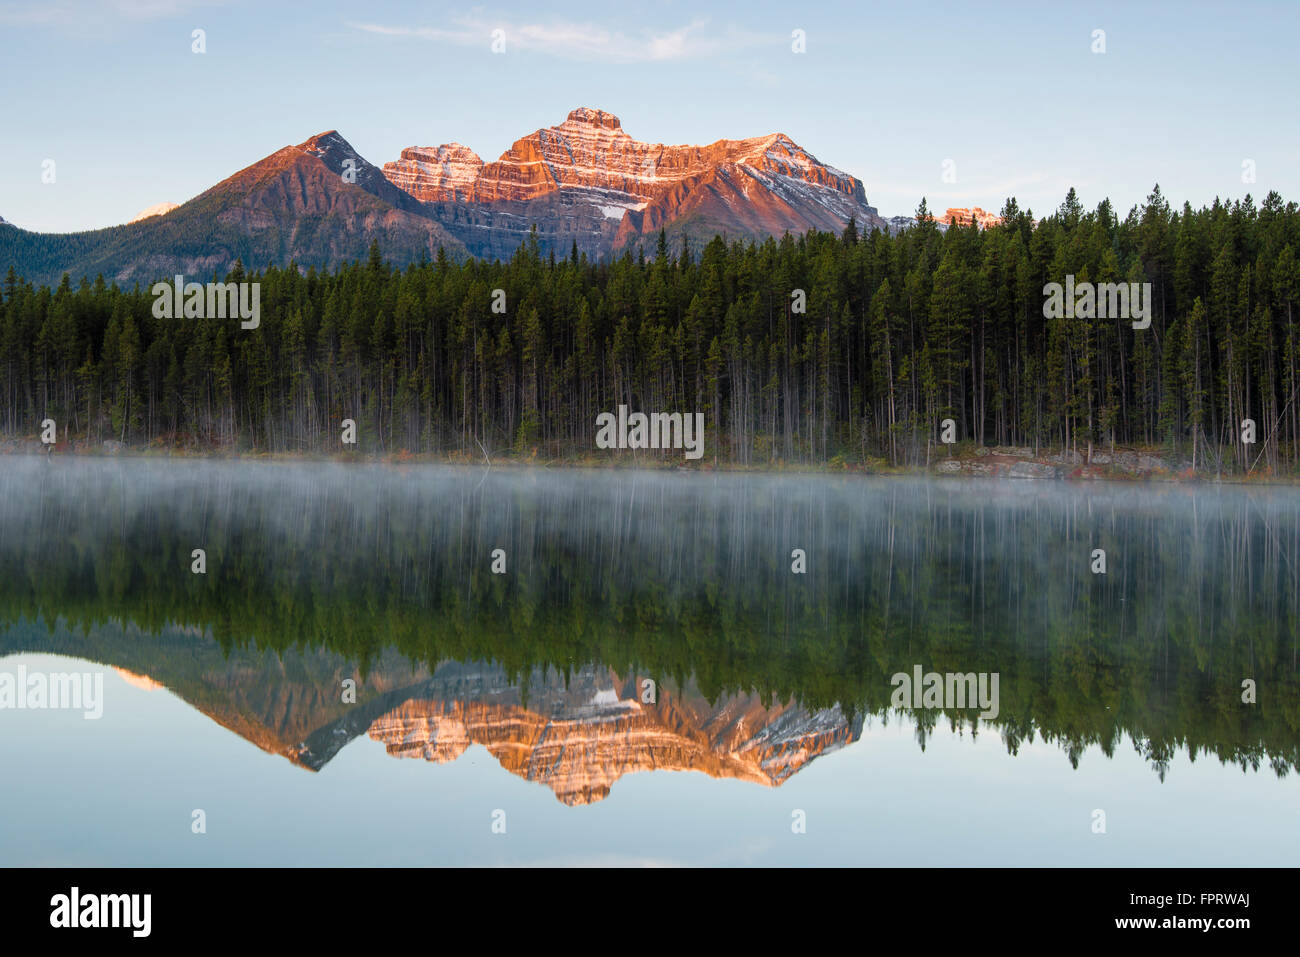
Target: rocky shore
1010,462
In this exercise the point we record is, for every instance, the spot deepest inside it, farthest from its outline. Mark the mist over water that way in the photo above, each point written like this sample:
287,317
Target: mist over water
615,582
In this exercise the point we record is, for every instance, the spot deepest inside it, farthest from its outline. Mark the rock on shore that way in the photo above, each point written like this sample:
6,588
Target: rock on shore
1011,462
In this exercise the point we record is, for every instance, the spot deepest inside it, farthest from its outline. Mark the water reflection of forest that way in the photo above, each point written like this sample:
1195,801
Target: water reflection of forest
687,579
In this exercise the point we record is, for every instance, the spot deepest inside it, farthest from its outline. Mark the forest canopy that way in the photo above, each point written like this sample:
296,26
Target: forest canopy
812,349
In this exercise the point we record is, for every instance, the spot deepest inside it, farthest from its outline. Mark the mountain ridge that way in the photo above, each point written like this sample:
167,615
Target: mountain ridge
583,183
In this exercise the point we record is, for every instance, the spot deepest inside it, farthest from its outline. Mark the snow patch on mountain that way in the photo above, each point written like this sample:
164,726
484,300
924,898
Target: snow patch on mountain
616,210
158,209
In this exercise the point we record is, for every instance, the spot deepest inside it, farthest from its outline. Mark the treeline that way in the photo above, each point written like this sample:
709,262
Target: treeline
815,349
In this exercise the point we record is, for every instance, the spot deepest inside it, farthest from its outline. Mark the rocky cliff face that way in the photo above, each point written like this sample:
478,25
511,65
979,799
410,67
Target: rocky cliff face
446,173
591,151
587,181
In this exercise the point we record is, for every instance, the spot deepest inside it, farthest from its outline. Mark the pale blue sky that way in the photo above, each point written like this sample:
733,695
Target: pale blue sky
1011,93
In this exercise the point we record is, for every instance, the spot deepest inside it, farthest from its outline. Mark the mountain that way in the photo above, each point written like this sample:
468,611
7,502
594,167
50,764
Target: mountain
296,204
587,181
964,217
960,215
584,182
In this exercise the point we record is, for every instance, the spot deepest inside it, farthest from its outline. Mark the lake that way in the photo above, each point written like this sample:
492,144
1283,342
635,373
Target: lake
337,664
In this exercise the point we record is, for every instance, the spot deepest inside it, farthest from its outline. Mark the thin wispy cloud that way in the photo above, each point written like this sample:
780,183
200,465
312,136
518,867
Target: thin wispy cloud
585,41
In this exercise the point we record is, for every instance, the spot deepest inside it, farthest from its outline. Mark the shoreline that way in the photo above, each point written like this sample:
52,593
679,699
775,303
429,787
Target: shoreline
1127,465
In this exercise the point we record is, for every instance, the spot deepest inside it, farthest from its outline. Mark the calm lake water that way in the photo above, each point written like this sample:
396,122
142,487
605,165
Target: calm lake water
390,665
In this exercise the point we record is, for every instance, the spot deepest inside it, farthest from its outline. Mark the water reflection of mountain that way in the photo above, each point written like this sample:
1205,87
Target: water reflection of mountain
684,579
579,737
576,734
